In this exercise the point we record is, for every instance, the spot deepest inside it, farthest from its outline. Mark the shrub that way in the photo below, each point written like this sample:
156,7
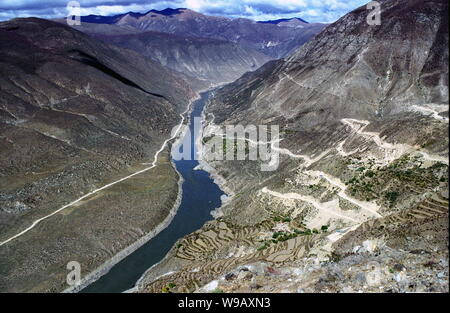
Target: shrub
370,173
264,246
392,196
277,234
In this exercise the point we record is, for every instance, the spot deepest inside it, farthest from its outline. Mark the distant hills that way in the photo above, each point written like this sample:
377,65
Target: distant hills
276,39
210,60
211,49
100,19
285,21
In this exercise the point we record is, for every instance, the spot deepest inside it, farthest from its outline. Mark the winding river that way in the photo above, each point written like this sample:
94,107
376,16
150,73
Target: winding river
200,195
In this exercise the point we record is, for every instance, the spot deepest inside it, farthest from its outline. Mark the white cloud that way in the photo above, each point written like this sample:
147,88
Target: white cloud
281,4
310,10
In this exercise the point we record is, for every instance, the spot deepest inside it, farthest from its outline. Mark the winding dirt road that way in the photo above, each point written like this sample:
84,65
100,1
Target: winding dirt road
153,165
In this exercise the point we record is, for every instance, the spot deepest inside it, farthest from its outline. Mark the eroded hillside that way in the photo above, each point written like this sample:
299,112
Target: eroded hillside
359,201
75,115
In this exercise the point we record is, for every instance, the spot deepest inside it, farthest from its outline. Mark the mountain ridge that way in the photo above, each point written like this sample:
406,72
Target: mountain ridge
294,21
211,60
314,74
274,40
77,114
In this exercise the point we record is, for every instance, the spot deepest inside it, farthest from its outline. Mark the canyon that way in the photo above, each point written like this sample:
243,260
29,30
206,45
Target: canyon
358,203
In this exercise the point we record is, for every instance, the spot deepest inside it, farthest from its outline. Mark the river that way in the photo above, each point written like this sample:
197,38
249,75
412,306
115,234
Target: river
200,195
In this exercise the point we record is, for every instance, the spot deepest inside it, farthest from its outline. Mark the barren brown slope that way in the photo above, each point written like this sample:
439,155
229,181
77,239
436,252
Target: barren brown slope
76,114
211,60
354,69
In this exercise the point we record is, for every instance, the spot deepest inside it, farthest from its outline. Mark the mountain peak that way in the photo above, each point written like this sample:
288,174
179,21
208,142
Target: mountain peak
100,19
286,21
274,38
168,11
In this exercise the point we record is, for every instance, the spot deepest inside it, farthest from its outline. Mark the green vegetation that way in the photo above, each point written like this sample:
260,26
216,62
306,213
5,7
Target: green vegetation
388,183
289,131
392,197
370,173
335,257
280,236
314,187
277,234
206,139
281,217
167,289
264,246
233,144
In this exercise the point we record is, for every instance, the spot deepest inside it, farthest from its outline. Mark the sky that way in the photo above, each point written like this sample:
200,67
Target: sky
324,11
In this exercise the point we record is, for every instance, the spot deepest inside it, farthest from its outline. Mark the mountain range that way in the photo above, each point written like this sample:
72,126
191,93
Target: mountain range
210,49
358,202
276,39
80,109
209,60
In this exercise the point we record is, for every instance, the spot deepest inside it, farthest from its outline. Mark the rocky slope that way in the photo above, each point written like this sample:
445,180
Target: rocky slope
77,114
353,69
359,201
273,40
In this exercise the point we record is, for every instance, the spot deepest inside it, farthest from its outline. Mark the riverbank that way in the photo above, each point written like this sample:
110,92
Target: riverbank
206,166
106,267
158,270
200,196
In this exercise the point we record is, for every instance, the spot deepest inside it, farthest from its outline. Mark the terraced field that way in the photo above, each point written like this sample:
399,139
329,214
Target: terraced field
435,206
199,247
